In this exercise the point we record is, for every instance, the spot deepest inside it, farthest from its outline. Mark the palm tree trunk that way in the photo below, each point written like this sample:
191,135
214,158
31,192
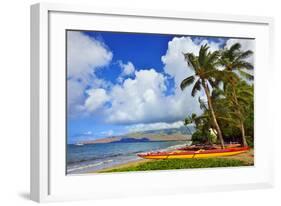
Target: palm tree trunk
244,141
242,128
213,115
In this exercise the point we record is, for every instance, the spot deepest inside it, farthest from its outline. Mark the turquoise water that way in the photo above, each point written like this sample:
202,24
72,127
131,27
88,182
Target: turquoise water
93,157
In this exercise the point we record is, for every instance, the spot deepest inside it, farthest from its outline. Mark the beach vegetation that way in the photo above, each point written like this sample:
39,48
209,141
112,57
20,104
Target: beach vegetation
181,164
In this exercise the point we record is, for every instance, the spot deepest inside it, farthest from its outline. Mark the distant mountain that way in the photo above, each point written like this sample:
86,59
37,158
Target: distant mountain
125,140
181,130
171,134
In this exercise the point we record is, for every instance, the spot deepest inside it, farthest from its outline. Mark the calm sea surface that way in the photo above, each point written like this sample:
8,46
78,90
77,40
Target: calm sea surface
93,157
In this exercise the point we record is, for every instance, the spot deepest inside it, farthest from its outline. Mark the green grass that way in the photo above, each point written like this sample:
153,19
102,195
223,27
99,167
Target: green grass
181,164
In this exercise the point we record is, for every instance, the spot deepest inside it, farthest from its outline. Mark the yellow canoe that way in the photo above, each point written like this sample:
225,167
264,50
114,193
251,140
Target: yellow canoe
194,154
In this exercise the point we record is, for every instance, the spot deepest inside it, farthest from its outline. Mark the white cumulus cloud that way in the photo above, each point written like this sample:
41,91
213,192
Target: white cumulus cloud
84,55
138,99
75,96
127,69
96,99
154,126
176,66
174,62
143,98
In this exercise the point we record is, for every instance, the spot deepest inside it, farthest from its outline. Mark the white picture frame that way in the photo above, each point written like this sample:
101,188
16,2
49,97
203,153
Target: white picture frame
49,20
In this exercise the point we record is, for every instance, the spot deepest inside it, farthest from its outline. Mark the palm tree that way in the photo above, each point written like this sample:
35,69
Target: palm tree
239,105
205,68
233,59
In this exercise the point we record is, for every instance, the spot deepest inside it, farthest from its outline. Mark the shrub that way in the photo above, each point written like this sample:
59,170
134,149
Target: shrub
199,137
250,141
203,137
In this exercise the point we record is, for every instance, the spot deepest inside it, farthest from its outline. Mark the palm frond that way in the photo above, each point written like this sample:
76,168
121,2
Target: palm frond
245,93
246,75
191,61
245,54
201,117
213,82
216,93
243,65
234,47
217,75
196,87
212,59
235,115
243,100
203,54
187,81
202,104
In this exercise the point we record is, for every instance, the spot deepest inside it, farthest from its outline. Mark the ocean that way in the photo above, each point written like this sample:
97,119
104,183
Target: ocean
92,157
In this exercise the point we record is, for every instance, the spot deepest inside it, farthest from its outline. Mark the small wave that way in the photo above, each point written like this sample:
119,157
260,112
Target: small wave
109,161
88,166
96,158
104,157
139,151
82,160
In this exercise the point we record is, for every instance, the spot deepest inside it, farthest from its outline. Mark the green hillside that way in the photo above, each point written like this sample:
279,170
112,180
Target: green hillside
171,134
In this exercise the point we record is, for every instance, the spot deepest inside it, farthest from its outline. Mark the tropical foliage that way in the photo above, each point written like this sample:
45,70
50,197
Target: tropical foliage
228,110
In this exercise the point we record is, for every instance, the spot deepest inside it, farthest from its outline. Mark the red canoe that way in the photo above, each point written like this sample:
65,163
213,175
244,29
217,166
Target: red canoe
194,154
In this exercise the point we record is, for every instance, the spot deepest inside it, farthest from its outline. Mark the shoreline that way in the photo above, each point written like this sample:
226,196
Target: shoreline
112,162
122,165
247,157
135,162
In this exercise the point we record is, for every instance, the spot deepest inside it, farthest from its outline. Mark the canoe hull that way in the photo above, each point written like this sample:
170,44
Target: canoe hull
190,155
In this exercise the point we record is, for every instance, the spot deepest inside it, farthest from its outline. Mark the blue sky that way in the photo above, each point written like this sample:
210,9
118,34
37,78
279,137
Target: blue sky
125,82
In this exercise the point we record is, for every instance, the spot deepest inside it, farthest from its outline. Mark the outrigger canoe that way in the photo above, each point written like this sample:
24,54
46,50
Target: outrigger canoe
194,154
207,147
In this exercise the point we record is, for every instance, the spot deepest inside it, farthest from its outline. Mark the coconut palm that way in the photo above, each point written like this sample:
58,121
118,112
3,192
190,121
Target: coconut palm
205,68
238,105
233,59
